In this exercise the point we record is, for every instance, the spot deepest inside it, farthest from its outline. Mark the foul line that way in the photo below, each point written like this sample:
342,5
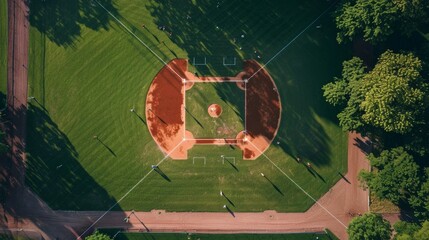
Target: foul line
296,184
184,110
210,81
293,40
245,106
129,191
141,41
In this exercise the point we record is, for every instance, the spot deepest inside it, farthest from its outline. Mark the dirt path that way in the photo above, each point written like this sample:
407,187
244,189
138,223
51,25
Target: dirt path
18,43
17,79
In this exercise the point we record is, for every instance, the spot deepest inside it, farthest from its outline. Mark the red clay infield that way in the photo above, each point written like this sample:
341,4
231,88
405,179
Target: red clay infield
165,109
214,110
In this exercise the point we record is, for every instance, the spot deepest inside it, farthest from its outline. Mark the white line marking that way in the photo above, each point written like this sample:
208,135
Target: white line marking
245,106
296,184
184,109
129,191
222,80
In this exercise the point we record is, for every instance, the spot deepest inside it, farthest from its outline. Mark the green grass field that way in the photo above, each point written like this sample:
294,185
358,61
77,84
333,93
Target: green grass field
87,71
228,96
184,236
3,52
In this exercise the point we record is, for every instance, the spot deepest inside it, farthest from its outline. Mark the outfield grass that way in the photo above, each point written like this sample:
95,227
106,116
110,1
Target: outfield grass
184,236
228,96
3,52
86,79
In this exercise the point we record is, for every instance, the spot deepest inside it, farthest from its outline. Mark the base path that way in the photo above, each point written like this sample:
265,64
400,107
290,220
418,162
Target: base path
166,118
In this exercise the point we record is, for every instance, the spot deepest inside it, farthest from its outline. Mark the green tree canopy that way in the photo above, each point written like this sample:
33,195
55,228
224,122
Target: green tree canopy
405,230
98,236
423,233
411,231
396,177
369,226
420,201
375,20
390,97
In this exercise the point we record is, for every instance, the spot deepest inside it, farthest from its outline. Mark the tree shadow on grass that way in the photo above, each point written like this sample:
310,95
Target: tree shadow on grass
231,94
61,20
53,171
217,29
308,124
203,28
61,187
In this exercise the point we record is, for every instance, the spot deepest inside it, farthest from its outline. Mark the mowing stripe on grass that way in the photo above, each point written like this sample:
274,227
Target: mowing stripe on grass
141,41
296,184
129,191
293,40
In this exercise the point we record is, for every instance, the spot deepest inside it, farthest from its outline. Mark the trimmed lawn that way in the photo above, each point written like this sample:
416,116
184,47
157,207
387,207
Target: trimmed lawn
228,96
87,72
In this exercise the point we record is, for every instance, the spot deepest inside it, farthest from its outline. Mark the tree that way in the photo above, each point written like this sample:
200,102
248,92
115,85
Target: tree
345,92
391,97
405,230
369,226
98,236
423,233
395,93
420,201
375,20
411,231
396,177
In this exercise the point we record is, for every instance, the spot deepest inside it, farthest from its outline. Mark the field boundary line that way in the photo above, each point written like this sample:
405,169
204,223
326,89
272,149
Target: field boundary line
184,109
296,184
129,191
293,40
193,159
211,81
141,41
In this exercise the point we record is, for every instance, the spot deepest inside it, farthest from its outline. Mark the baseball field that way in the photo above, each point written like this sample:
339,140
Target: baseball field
90,70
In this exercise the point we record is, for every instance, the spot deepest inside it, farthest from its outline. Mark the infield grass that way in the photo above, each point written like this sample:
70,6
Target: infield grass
87,76
231,100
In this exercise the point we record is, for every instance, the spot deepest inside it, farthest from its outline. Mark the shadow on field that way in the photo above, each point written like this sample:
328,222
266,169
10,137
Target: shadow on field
217,29
231,94
62,187
61,20
53,171
310,62
249,29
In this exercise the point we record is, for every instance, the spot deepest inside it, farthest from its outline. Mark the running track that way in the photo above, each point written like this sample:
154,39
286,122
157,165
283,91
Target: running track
26,211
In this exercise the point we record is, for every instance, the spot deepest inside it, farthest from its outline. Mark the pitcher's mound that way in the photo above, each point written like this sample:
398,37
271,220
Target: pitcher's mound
215,110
